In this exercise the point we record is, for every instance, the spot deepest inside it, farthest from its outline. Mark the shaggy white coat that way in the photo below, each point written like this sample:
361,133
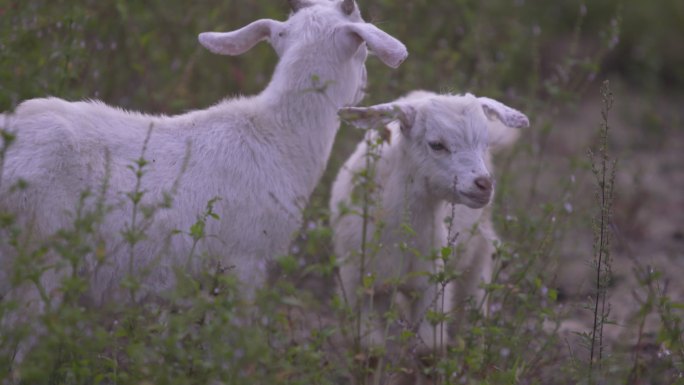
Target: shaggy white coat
437,149
261,155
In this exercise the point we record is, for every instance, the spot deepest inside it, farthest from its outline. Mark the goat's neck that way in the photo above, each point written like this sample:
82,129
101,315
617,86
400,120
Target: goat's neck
305,102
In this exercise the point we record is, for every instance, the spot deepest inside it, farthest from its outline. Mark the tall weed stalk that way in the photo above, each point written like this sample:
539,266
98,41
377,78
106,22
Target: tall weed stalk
603,167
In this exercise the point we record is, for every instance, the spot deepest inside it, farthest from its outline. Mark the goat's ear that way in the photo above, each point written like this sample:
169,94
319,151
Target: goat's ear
240,41
508,116
380,115
501,136
503,123
391,51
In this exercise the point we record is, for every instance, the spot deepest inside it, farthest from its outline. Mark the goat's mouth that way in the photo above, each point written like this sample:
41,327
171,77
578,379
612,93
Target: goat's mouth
475,200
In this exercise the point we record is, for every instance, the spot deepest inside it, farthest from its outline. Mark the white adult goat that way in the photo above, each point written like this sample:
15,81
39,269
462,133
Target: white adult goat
436,157
262,155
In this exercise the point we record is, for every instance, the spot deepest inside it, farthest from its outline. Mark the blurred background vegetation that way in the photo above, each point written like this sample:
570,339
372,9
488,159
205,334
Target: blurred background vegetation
144,54
546,58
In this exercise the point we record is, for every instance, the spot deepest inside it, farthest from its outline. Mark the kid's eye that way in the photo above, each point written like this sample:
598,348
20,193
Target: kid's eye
437,146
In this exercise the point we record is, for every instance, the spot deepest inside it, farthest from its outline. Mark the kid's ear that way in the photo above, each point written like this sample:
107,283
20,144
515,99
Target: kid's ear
239,41
510,117
391,51
503,124
380,115
501,136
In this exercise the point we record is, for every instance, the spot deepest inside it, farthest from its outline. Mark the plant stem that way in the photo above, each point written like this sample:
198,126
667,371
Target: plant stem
605,192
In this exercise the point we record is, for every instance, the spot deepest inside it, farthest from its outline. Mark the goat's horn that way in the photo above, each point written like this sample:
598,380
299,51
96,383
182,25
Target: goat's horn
296,5
348,6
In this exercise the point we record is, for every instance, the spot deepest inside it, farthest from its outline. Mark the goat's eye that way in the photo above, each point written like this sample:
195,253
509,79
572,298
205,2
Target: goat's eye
281,33
437,146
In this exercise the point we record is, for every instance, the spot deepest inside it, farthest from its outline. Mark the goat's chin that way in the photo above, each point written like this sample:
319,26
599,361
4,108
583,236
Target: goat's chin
475,204
471,200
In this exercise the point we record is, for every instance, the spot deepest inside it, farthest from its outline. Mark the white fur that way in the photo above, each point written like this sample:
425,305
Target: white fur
417,186
261,155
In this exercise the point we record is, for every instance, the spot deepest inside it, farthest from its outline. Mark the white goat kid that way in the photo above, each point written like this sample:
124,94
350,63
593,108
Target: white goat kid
261,155
436,157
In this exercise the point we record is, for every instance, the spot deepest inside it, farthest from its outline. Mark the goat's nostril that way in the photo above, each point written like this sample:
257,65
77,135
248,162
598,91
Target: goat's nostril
484,183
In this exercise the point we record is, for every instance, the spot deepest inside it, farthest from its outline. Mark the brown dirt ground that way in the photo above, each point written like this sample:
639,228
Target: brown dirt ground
647,139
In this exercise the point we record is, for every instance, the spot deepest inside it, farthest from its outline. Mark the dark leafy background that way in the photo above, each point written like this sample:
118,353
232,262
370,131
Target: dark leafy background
144,54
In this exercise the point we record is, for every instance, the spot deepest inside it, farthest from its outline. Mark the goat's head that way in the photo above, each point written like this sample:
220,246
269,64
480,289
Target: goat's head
445,139
330,31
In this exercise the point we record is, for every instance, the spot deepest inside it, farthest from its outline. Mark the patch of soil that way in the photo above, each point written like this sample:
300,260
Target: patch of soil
647,140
